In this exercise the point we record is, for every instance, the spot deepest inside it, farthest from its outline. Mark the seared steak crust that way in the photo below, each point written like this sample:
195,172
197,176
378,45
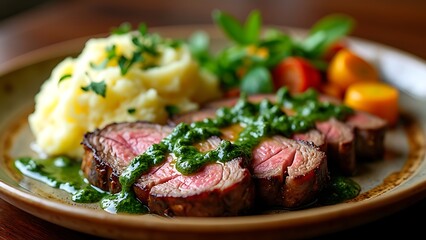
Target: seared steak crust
370,135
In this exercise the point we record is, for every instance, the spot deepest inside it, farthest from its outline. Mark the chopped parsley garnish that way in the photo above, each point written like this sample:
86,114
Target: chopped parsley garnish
96,87
147,48
65,76
126,63
131,110
110,52
172,110
122,29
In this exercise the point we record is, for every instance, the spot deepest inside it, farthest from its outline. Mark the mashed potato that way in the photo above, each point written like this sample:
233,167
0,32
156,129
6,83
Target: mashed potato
66,109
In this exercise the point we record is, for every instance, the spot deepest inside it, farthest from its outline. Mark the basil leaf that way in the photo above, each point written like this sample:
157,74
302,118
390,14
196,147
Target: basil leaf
252,27
242,34
230,25
143,29
257,80
279,47
97,87
325,32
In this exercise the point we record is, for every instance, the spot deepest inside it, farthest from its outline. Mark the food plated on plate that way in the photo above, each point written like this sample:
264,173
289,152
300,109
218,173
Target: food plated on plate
163,126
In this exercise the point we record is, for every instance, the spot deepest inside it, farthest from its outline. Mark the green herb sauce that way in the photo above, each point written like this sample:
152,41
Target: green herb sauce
259,120
62,173
340,189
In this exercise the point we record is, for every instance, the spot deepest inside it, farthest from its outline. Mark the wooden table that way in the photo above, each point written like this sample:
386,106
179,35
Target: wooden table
397,23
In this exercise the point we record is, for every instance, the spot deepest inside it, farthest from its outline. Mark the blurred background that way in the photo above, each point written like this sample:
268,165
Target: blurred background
26,25
10,8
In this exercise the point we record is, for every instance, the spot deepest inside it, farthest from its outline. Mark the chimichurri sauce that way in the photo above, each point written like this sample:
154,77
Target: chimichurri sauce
59,172
259,120
338,190
62,173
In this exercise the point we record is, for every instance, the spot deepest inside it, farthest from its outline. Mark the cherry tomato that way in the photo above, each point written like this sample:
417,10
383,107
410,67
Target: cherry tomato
297,74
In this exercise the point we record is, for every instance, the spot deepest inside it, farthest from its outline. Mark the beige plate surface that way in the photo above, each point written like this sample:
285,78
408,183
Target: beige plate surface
387,185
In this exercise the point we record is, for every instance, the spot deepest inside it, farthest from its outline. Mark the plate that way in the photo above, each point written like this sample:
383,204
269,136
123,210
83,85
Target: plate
387,185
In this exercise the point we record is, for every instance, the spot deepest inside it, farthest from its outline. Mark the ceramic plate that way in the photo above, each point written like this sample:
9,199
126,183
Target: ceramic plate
387,185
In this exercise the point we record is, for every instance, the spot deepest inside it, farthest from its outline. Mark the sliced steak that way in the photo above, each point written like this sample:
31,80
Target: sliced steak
287,172
340,145
314,136
108,151
223,189
370,133
217,190
282,177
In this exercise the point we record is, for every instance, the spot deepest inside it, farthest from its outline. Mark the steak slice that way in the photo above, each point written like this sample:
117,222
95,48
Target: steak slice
287,172
108,151
340,145
218,189
314,136
370,133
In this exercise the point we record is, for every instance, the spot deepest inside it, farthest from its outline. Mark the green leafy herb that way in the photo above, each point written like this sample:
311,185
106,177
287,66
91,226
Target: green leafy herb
340,189
122,29
199,44
250,49
147,48
244,34
110,50
63,77
126,63
172,110
325,32
111,53
97,87
143,29
131,110
100,66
